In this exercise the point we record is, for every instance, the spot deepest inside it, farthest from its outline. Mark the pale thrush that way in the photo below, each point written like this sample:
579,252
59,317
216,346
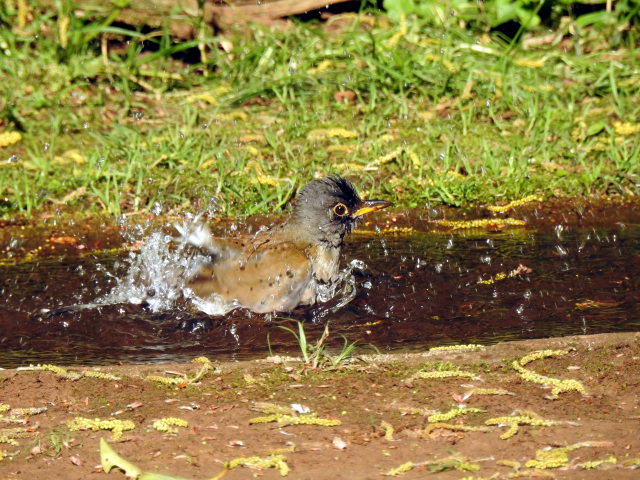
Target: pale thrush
278,269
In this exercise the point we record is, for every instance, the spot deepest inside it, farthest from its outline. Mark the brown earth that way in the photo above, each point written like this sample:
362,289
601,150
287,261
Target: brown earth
602,424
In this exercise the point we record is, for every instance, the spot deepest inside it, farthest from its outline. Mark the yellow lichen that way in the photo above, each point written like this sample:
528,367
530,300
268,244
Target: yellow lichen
100,375
400,33
480,223
519,270
490,391
305,419
496,278
596,463
550,458
430,57
344,149
205,97
249,379
414,411
531,474
542,354
388,430
509,463
321,67
252,137
233,116
166,424
272,408
9,435
70,157
632,463
9,138
404,468
321,133
624,128
451,414
62,372
558,386
167,380
446,348
514,421
530,63
430,374
385,158
260,177
558,457
23,412
400,230
278,451
4,407
514,204
116,426
272,461
207,367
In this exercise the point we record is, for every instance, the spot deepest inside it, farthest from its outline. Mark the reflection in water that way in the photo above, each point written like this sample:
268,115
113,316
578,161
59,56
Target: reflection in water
415,290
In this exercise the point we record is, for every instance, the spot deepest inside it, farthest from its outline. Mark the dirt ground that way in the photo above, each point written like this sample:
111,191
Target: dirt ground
370,418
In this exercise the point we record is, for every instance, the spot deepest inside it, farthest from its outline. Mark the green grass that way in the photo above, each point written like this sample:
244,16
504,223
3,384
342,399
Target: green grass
315,354
438,115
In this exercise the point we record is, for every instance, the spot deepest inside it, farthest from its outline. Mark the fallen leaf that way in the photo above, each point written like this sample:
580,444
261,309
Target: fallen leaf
64,240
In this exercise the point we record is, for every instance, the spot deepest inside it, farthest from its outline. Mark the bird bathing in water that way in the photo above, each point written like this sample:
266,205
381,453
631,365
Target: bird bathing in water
291,264
282,267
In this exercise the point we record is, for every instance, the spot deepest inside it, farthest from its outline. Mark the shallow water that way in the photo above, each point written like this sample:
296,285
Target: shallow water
418,290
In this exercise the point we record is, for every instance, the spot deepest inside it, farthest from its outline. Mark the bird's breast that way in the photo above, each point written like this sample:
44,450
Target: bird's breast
325,263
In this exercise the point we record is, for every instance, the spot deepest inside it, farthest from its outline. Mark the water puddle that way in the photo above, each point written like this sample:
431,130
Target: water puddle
569,270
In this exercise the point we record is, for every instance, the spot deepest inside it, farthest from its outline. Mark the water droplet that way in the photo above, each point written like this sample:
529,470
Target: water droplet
558,229
561,250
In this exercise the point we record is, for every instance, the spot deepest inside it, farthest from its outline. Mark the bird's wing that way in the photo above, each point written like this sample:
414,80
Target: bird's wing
268,278
199,236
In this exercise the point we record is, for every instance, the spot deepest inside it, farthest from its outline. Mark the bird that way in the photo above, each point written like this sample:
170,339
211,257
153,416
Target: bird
284,266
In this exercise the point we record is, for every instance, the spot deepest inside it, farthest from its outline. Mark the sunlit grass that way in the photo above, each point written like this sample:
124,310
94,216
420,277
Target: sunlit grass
437,116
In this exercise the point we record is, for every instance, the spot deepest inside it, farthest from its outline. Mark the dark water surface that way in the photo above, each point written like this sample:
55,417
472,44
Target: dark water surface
579,275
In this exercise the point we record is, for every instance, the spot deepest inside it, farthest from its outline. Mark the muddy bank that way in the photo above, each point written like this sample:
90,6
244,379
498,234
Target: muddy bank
375,416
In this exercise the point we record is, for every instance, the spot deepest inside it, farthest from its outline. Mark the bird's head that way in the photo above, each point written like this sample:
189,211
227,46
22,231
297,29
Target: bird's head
328,209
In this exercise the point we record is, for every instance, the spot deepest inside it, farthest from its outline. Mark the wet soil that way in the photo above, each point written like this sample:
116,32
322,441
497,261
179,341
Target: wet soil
601,424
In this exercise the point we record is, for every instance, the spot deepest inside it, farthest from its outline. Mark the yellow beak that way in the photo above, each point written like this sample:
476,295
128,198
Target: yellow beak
369,206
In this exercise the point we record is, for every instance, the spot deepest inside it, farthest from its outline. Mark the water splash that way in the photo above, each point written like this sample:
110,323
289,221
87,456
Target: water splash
158,275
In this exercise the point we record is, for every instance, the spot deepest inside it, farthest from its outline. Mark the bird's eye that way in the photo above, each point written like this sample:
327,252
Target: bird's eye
340,209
